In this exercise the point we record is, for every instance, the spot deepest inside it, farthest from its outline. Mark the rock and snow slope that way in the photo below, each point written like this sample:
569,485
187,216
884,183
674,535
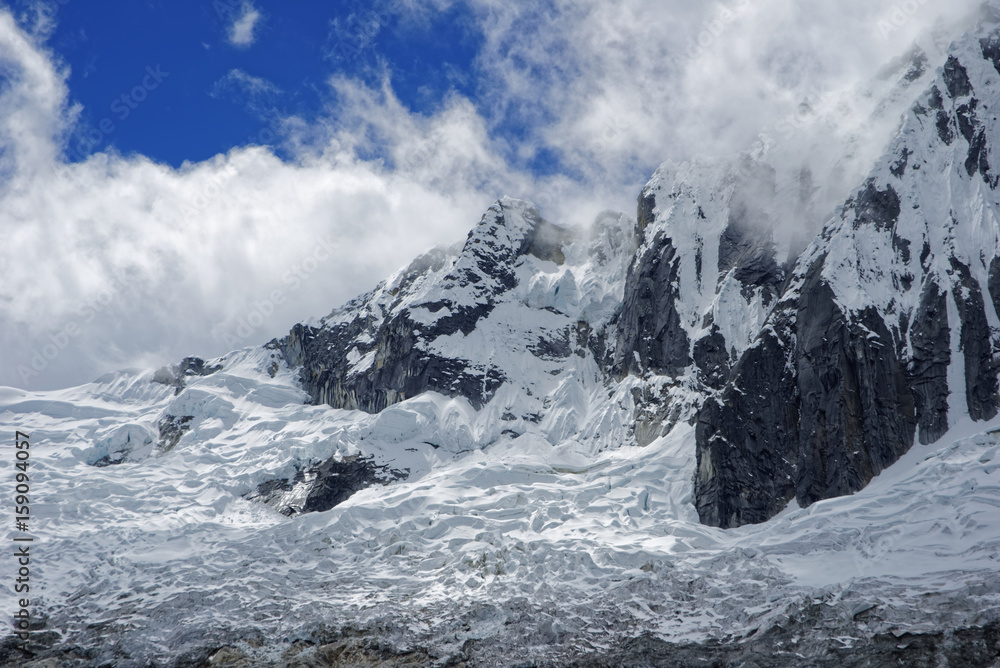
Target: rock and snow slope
515,548
516,449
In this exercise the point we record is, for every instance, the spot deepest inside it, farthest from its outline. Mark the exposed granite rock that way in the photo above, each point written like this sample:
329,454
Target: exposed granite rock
930,339
898,168
655,414
965,114
943,119
956,78
747,437
645,212
991,50
980,367
856,413
747,249
176,375
993,283
555,347
172,428
815,409
400,369
376,356
321,487
876,207
650,335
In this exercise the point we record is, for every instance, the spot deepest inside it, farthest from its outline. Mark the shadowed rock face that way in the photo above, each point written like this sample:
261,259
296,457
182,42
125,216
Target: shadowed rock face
402,364
321,487
401,368
930,338
747,437
821,405
746,248
650,336
856,412
980,367
859,384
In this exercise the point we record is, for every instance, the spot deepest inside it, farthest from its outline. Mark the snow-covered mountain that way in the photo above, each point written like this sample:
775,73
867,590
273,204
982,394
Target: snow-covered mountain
700,435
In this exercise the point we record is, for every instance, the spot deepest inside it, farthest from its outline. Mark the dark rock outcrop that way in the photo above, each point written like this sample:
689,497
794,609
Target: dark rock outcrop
650,336
798,643
172,428
401,368
856,413
980,367
176,375
319,488
930,339
747,437
815,409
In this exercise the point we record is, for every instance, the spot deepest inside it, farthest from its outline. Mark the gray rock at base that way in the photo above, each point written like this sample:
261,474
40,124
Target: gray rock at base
747,437
815,409
977,348
930,339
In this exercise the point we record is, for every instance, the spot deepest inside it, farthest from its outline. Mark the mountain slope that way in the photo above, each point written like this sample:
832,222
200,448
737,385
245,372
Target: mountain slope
888,328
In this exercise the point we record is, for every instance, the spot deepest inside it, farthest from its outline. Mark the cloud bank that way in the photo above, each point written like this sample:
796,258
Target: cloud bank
120,261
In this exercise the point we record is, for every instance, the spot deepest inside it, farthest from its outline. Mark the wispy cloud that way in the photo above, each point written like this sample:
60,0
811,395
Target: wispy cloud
257,93
241,31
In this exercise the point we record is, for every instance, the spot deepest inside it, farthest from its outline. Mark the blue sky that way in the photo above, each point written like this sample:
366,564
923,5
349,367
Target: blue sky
167,168
199,110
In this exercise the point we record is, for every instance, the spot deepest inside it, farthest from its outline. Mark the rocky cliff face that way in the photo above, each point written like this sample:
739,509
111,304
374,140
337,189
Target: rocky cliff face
521,304
808,368
883,335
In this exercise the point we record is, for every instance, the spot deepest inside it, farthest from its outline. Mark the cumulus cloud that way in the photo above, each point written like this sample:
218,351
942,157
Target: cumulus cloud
241,31
120,261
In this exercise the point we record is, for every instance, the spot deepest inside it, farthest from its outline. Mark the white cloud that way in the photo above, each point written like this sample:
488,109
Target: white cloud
119,261
241,32
617,87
